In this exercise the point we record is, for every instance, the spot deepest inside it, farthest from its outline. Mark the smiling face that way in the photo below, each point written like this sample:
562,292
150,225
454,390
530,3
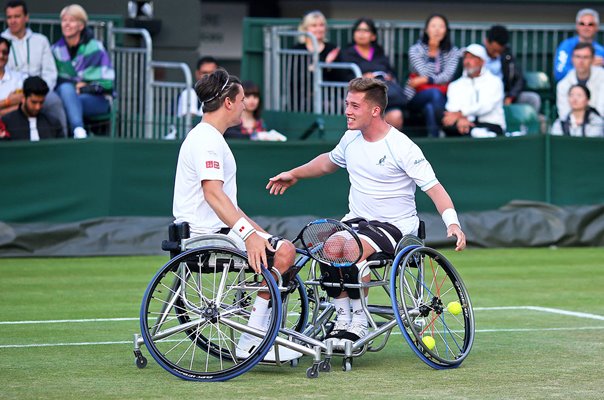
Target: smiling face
587,28
317,27
16,19
71,26
359,111
238,106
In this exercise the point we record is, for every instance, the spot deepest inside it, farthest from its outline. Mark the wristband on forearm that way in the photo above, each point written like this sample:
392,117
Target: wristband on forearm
449,217
243,228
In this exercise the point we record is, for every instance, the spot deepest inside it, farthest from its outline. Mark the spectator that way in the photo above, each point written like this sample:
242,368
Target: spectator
31,56
432,64
503,64
587,27
476,99
582,120
85,81
11,82
315,23
370,57
205,66
585,73
251,122
30,121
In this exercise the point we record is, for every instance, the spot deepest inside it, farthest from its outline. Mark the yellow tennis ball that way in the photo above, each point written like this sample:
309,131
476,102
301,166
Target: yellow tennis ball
454,307
429,342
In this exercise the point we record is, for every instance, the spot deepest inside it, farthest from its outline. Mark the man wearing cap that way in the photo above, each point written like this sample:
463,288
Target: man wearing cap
475,101
587,27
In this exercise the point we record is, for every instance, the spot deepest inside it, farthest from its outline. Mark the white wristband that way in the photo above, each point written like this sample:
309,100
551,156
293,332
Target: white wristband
449,217
243,228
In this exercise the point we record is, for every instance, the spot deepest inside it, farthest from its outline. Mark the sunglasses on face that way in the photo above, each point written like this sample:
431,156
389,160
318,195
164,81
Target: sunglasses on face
587,24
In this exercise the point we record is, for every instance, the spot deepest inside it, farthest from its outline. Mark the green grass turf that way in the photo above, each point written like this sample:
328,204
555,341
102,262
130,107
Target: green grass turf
528,361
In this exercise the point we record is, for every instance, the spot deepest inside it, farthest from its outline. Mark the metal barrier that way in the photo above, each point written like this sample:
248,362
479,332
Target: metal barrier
533,45
133,78
333,94
166,123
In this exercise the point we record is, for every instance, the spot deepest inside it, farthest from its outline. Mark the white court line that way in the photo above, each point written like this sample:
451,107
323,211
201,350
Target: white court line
544,309
65,321
21,346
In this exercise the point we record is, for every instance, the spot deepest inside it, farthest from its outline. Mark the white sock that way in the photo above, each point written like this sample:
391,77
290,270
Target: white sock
342,309
358,314
259,315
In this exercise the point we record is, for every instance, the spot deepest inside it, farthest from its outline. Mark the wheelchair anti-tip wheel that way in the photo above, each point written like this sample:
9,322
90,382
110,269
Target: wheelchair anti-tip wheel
432,307
196,309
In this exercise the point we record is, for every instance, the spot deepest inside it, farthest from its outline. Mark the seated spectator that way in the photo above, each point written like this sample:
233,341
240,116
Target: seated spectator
11,82
31,56
585,73
587,27
86,77
251,122
205,66
582,120
432,64
370,57
503,64
476,99
30,121
315,23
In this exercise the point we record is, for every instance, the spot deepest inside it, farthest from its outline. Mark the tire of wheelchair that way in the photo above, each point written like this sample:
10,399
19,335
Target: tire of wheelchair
200,349
297,304
457,330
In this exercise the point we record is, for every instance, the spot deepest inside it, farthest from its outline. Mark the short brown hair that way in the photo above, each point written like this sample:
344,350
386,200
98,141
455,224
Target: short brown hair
375,91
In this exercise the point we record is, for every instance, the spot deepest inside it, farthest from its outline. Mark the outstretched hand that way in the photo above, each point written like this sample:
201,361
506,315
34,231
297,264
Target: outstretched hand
279,184
455,230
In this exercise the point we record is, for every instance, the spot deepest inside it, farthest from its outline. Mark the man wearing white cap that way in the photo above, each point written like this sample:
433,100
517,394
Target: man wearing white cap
475,101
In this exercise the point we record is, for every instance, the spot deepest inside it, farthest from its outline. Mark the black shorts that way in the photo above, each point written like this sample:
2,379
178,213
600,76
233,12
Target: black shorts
382,236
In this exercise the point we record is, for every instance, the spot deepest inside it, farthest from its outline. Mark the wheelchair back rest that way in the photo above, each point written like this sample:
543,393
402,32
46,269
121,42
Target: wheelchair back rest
408,240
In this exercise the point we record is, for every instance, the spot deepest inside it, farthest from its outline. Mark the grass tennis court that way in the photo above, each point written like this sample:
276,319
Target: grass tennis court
66,327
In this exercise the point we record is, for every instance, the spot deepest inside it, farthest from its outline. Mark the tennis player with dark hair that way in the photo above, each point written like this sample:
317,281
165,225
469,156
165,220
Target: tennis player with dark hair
205,193
384,168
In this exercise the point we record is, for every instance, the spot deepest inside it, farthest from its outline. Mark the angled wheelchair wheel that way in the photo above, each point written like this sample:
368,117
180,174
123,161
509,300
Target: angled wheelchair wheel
196,309
432,307
295,305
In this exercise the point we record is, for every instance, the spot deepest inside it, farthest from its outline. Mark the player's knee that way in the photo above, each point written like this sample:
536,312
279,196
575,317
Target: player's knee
333,247
285,256
351,251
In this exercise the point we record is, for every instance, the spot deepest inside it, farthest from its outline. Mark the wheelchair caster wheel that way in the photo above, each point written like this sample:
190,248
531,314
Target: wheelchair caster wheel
325,366
140,360
347,364
294,363
312,372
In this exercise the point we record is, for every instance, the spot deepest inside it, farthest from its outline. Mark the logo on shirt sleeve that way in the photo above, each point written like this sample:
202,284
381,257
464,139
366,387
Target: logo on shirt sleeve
213,164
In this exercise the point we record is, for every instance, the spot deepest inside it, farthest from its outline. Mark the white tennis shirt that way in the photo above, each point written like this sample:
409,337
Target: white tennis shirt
383,177
204,155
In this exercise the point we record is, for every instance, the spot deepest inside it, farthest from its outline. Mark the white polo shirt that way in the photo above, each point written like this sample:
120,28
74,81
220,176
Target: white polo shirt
204,155
11,81
383,177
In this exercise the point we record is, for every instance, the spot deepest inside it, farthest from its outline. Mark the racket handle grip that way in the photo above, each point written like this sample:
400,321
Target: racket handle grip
421,231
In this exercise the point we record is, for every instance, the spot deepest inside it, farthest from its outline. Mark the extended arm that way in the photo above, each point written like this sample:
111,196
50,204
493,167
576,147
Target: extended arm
444,205
319,166
224,208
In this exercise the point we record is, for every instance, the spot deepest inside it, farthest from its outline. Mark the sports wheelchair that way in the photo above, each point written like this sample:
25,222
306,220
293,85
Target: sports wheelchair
197,305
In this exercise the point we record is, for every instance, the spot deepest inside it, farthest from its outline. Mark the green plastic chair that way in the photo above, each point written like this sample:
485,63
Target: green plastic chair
539,82
521,118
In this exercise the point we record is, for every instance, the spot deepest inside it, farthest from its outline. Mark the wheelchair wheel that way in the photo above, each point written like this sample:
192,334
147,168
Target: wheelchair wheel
432,307
196,308
295,305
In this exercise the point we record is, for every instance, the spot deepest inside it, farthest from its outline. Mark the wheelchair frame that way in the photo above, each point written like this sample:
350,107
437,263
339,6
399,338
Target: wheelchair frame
416,308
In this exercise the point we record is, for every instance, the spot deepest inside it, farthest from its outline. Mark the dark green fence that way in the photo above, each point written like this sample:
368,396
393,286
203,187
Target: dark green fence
59,181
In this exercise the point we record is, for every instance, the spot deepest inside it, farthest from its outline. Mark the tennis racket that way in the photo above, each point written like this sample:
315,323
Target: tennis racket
331,242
